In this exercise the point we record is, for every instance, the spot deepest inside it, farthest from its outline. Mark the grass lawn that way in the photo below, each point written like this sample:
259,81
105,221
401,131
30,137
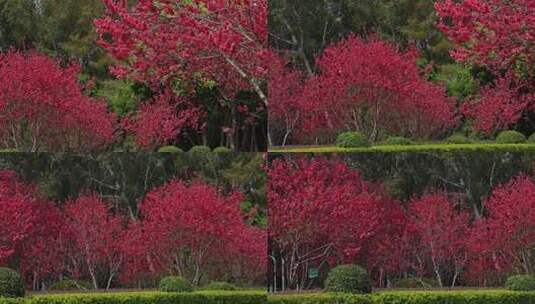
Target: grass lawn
423,147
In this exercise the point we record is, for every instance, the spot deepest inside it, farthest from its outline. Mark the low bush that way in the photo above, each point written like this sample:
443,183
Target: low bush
170,149
199,297
531,139
398,141
220,286
11,285
521,283
66,285
510,137
222,150
458,139
351,140
348,278
175,284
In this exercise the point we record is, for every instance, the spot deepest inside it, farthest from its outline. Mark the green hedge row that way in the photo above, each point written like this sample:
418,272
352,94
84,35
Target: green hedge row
408,297
201,297
412,148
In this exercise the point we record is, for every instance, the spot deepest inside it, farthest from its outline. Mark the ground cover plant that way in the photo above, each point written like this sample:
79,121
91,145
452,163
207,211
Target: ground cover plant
194,218
440,219
445,67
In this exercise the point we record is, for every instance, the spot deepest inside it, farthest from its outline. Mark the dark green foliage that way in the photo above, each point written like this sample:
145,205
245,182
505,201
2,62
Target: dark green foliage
348,278
398,141
458,139
351,140
415,283
510,137
10,283
175,284
220,286
170,149
521,283
411,297
201,297
65,285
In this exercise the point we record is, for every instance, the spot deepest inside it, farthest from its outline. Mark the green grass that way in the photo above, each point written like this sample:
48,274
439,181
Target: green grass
425,147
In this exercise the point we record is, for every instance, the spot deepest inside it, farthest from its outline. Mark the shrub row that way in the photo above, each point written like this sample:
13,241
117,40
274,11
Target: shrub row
201,297
414,297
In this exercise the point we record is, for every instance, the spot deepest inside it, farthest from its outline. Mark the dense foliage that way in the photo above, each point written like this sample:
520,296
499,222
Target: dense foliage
202,228
411,221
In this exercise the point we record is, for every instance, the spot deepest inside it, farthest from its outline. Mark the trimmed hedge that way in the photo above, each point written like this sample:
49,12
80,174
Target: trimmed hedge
411,297
441,148
348,278
351,140
200,297
510,137
170,149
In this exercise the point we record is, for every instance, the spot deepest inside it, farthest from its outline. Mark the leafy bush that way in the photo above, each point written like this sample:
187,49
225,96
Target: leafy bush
65,285
200,297
510,137
351,140
10,283
531,138
521,283
415,283
222,150
170,149
458,139
348,278
398,141
175,284
220,286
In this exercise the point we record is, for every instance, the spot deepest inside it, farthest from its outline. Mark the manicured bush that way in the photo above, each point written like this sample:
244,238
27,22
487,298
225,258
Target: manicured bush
170,149
510,137
521,283
11,285
200,297
351,140
222,150
398,141
220,286
531,138
348,278
65,285
458,139
415,283
175,284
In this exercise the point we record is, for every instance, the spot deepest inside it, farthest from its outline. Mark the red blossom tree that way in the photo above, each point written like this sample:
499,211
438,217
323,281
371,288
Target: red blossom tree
371,87
498,35
181,46
504,240
438,238
92,241
42,107
185,228
29,229
320,212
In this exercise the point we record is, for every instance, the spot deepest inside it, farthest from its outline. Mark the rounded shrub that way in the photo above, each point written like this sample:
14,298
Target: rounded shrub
10,283
170,149
521,283
510,137
220,286
351,140
175,284
66,285
222,150
531,138
349,279
458,139
200,150
398,141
